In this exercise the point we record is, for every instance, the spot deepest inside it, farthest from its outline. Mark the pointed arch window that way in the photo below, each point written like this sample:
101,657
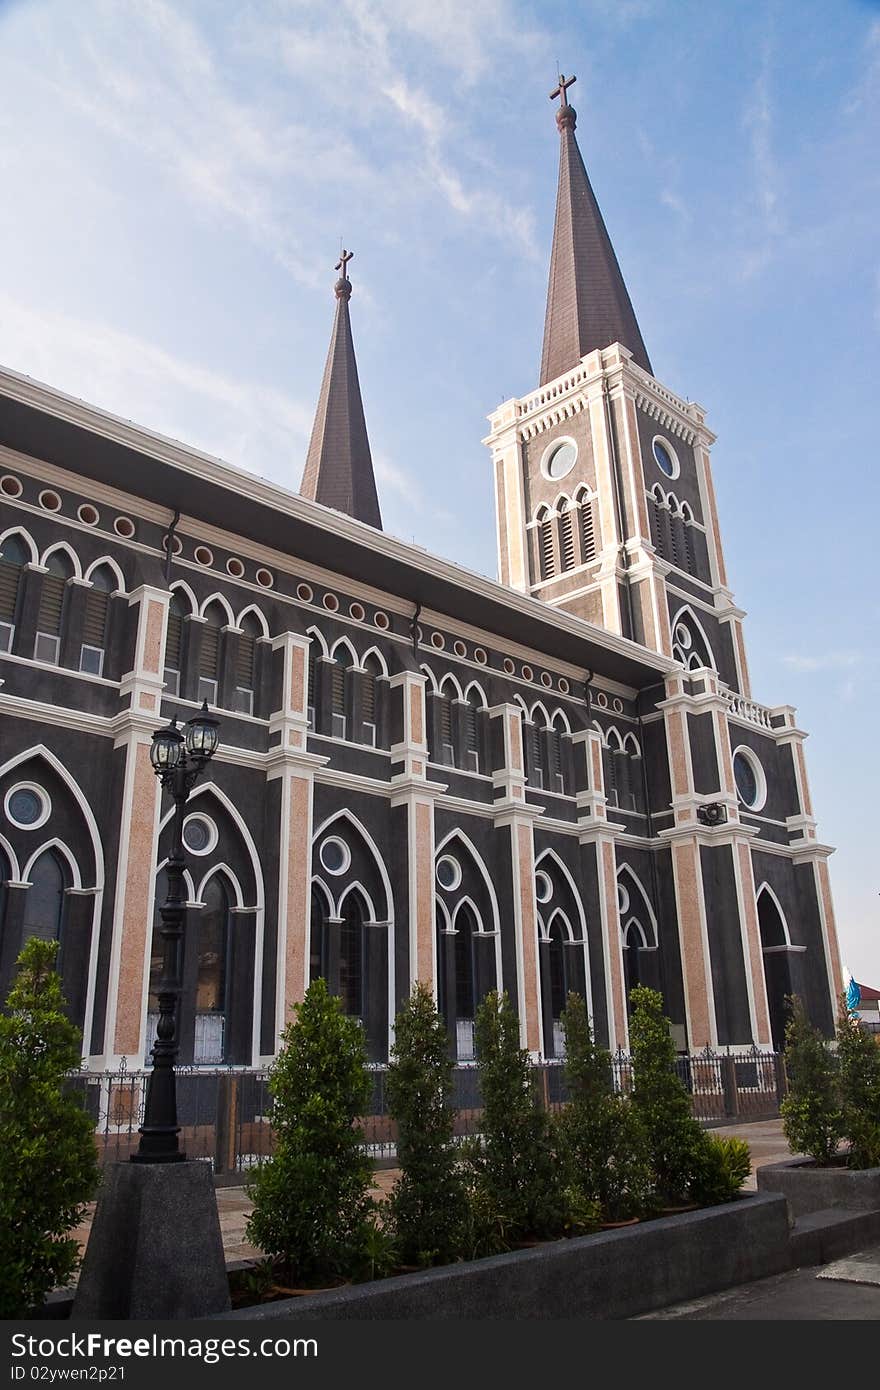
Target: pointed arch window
472,729
352,955
546,549
339,720
96,621
174,644
587,514
212,948
44,903
370,699
14,555
246,664
209,654
52,607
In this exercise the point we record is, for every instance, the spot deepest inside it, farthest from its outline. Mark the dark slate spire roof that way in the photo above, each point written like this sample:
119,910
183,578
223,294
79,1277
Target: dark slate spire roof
339,466
587,303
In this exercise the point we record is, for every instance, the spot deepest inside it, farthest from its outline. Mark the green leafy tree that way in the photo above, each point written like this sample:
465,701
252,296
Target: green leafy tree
518,1178
602,1135
858,1058
48,1163
812,1115
427,1202
675,1139
311,1198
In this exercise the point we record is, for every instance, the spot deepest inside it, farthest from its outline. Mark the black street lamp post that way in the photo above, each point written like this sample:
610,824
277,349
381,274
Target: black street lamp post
178,758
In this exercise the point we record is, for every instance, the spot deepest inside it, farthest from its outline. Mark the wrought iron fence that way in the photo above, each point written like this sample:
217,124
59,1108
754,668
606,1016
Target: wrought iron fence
225,1113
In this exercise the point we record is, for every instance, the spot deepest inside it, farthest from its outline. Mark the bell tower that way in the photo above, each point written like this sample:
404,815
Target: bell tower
604,498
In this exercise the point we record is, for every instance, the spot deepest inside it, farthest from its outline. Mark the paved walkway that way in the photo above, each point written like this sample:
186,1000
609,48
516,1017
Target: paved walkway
233,1205
845,1291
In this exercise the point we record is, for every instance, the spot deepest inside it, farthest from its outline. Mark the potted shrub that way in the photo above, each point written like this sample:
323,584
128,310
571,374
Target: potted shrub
674,1138
427,1202
602,1135
516,1181
49,1168
312,1206
832,1095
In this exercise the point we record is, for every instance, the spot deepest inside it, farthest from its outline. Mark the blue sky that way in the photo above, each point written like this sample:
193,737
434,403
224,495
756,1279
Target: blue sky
176,178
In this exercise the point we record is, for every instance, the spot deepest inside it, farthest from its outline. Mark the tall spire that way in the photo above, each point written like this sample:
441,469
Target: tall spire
339,466
587,303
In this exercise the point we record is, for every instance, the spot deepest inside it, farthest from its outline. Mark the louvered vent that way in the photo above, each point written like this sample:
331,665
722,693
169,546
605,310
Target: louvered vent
51,604
368,697
210,652
244,666
95,618
173,640
445,720
566,541
545,544
588,531
337,689
689,554
10,577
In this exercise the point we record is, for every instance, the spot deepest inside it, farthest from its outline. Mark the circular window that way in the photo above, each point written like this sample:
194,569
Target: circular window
460,649
265,578
330,602
203,556
381,620
357,612
665,457
304,592
235,567
602,700
622,898
88,514
509,666
438,640
543,887
27,807
124,526
563,686
480,655
199,834
618,706
546,679
559,459
682,636
334,854
751,784
527,673
176,547
49,501
10,486
448,872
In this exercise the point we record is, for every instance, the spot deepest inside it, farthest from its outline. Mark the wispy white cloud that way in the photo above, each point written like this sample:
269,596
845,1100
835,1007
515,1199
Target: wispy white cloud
823,661
758,121
246,423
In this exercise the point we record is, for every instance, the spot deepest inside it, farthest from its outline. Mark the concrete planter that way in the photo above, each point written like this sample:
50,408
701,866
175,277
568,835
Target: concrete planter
613,1274
810,1188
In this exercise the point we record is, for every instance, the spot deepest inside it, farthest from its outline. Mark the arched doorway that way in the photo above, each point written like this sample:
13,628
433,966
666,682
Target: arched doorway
776,947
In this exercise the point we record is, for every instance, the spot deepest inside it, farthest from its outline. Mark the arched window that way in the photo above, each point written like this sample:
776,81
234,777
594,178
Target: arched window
370,698
212,948
14,556
96,618
174,644
465,982
318,963
352,955
52,607
339,722
472,713
209,654
587,514
246,664
44,903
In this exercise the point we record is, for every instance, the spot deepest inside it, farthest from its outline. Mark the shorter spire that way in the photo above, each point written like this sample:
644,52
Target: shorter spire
339,465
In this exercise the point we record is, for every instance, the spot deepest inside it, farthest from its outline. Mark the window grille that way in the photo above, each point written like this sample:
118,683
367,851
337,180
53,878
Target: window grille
244,662
368,697
337,690
95,618
209,655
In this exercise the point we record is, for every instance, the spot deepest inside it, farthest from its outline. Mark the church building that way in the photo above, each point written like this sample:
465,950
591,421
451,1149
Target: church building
559,780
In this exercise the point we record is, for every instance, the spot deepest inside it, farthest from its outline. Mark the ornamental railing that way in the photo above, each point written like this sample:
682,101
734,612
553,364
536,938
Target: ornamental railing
225,1113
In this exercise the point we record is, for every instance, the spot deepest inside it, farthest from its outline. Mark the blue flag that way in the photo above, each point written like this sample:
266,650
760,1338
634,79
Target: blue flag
853,995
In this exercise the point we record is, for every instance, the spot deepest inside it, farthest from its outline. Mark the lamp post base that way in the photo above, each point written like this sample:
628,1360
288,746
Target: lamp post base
155,1249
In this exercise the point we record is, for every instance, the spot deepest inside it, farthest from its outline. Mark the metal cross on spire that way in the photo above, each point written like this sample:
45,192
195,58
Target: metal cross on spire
562,89
342,263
